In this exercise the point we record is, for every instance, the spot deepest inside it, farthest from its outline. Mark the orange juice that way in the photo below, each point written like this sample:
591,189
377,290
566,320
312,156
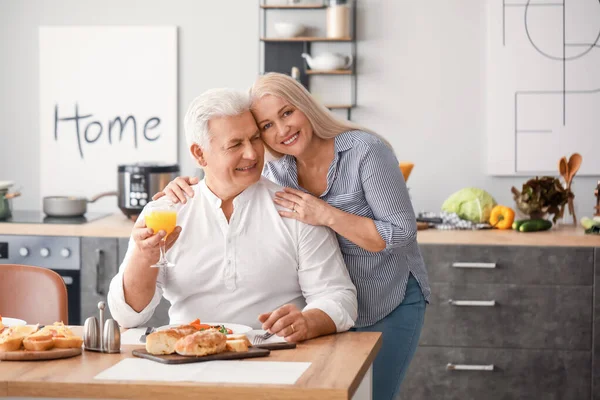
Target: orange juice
161,220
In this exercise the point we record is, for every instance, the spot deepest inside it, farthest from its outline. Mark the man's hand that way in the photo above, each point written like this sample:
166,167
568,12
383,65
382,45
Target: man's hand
288,322
178,188
148,243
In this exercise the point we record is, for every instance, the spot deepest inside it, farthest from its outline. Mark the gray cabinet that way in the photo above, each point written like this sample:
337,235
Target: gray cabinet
161,313
441,373
519,322
98,266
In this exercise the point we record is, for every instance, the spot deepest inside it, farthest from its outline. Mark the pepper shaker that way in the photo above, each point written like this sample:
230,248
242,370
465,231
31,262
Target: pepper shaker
111,340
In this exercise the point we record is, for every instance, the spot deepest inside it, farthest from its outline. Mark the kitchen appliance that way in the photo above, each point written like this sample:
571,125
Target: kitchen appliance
38,217
61,254
69,206
137,184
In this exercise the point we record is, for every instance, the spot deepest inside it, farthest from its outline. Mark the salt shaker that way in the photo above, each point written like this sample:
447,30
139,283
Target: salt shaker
111,340
91,334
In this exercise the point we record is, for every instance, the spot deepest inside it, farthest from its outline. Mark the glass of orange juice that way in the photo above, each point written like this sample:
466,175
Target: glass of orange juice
161,215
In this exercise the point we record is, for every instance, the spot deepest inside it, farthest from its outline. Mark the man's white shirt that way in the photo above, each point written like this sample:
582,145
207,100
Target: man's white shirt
232,272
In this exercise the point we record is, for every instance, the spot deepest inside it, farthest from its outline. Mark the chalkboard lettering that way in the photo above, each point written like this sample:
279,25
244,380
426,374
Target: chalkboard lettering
93,130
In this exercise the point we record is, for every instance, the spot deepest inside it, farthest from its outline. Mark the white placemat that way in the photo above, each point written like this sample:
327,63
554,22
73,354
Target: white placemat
132,336
231,371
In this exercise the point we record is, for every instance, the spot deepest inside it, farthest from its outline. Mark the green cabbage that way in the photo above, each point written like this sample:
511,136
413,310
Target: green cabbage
472,204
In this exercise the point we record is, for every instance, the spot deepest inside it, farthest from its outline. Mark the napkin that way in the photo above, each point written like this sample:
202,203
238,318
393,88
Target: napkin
230,371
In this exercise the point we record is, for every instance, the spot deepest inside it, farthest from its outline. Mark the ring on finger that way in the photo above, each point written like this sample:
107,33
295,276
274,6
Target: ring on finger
292,326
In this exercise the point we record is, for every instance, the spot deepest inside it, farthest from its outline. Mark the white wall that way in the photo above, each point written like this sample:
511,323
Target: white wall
421,81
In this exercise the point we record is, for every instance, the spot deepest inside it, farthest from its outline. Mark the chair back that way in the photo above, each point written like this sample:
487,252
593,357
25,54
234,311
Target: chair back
34,294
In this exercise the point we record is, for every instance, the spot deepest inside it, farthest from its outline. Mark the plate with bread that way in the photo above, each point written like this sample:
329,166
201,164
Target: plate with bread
186,343
32,342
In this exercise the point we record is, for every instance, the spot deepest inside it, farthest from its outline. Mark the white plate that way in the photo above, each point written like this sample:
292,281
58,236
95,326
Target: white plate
235,328
12,321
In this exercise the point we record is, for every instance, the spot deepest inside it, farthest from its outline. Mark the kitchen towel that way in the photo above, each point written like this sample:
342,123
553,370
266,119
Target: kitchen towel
231,371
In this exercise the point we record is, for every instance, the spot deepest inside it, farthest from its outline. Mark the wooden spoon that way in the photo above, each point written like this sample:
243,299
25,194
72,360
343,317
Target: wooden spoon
573,166
563,168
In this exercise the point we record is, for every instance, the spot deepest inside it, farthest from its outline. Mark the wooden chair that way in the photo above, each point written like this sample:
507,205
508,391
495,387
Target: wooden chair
34,294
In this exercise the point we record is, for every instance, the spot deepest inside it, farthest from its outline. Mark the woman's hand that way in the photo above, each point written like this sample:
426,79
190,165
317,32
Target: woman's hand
178,188
288,322
148,243
305,207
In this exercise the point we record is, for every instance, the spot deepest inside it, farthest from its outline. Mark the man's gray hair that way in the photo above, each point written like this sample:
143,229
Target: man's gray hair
214,103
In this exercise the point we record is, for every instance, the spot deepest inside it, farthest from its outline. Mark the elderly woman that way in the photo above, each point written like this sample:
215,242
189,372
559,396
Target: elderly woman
342,176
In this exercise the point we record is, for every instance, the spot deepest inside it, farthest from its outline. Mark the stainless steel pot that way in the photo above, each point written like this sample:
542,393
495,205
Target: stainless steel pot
5,204
69,206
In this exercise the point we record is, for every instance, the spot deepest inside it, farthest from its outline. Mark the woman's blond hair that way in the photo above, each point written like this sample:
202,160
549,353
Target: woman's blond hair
325,125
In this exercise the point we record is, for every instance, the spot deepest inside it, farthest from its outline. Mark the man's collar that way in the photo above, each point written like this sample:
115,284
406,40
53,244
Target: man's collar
216,202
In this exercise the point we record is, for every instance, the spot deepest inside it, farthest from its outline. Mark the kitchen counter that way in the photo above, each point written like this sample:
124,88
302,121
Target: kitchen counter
564,236
114,226
118,226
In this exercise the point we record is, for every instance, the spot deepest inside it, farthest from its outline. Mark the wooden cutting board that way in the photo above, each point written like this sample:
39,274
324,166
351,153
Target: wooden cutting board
178,359
26,355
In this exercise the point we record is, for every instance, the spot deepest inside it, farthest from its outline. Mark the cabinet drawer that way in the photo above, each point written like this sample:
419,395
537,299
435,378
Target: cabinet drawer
516,374
509,264
535,317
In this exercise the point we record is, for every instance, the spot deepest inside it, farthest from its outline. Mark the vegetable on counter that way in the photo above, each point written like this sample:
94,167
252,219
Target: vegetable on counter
502,217
534,225
540,196
471,204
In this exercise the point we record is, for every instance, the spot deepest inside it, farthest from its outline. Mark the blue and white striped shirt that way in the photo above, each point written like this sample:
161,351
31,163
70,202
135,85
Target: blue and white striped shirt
364,179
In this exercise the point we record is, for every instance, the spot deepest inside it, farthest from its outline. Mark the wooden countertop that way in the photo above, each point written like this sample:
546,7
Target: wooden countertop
117,225
563,236
339,363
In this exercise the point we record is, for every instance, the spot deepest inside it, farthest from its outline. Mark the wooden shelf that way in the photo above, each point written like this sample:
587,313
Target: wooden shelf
298,7
329,72
306,39
339,106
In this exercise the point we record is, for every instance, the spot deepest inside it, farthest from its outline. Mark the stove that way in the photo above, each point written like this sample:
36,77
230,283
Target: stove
38,217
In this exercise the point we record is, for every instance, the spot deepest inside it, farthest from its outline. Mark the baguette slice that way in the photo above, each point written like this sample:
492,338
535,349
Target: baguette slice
201,343
238,346
38,342
239,337
163,342
70,342
11,338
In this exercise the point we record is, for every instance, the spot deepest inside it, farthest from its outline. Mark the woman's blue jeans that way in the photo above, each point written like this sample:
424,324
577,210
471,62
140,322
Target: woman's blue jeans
401,330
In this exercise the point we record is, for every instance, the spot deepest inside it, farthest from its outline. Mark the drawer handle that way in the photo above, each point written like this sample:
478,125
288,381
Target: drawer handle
472,303
473,265
465,367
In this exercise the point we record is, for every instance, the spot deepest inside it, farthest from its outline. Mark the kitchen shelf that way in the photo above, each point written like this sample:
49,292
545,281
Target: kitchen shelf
306,39
329,72
284,54
298,7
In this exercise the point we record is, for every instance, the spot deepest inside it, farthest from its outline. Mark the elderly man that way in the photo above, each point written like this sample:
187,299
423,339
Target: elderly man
236,259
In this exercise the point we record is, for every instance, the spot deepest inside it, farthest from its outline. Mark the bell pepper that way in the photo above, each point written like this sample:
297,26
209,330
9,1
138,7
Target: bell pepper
502,217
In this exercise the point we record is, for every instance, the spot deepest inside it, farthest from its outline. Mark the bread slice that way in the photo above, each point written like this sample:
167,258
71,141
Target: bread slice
238,346
162,342
201,343
239,337
11,338
71,342
38,342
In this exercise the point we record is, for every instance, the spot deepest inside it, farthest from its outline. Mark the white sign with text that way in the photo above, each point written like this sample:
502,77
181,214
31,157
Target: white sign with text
108,96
